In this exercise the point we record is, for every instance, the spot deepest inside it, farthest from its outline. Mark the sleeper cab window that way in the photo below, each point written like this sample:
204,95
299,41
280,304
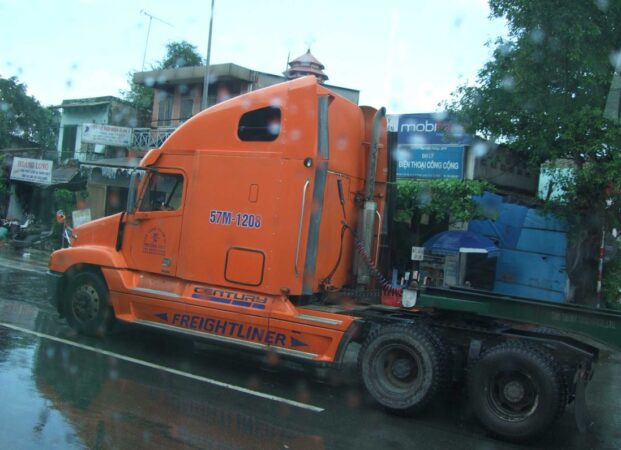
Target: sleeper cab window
164,192
260,125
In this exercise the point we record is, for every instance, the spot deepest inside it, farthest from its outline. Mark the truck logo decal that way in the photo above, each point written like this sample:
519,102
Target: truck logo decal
229,328
297,343
230,298
154,242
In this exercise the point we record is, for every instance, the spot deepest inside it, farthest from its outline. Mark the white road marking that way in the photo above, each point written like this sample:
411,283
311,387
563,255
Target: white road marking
15,266
167,369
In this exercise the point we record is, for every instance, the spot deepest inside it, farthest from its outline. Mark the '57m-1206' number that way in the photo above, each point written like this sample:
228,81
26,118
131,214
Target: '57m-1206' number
243,220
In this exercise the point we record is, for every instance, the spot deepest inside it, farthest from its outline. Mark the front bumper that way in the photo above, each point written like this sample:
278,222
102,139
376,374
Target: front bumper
54,288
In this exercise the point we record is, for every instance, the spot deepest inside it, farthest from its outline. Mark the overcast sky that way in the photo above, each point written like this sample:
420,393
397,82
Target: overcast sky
406,55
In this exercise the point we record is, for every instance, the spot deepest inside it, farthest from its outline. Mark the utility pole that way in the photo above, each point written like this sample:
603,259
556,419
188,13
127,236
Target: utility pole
207,62
146,45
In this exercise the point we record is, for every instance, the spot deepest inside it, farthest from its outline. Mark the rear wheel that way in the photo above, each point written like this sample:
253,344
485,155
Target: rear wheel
86,305
401,367
517,390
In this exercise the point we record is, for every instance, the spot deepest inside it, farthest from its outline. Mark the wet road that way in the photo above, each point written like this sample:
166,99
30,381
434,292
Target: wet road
139,389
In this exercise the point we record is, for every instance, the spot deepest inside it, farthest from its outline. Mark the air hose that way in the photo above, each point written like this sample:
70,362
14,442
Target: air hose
384,283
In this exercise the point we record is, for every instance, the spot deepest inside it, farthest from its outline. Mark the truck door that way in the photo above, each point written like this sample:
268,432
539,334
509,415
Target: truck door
153,230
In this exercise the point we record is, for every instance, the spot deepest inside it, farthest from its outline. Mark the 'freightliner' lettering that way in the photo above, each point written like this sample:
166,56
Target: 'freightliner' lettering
228,328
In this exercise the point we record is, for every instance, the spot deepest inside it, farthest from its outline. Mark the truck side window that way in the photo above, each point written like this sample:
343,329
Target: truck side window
163,193
260,125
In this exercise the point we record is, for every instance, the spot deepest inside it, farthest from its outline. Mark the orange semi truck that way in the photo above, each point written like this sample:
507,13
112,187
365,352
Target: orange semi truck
257,224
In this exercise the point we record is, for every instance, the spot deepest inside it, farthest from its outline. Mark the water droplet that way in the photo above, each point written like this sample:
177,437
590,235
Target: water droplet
418,139
615,59
440,115
504,48
4,106
274,128
602,4
508,83
149,81
537,35
69,84
295,134
457,131
480,149
276,102
146,436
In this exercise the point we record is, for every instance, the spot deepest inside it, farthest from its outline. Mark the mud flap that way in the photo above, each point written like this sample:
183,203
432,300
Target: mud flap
581,413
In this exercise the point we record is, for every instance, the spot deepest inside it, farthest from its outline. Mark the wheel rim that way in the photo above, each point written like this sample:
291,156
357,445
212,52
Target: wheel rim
85,304
400,368
513,395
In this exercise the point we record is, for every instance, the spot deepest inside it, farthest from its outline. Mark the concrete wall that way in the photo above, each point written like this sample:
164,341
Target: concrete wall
77,116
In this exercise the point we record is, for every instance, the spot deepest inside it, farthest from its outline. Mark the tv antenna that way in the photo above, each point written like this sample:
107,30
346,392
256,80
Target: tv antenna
146,45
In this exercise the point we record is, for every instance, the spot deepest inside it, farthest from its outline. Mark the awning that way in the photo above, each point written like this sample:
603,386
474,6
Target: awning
63,175
111,167
456,242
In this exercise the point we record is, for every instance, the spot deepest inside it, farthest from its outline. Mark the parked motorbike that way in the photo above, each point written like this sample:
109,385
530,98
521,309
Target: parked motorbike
29,234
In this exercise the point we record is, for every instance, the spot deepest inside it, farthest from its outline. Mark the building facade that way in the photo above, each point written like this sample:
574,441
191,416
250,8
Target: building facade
75,113
178,92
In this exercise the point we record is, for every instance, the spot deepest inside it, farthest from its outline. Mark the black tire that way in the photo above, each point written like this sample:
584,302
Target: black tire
401,367
516,390
446,362
86,305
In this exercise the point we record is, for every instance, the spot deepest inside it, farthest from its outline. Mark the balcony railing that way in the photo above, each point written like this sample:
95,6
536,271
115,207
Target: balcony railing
147,138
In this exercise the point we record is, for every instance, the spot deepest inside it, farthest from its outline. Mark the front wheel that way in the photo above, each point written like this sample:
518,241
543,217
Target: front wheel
401,367
86,305
516,390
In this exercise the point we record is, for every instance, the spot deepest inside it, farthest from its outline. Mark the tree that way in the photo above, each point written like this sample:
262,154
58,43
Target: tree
178,54
543,94
23,121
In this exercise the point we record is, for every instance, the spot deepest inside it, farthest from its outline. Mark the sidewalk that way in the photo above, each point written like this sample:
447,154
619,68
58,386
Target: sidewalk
30,259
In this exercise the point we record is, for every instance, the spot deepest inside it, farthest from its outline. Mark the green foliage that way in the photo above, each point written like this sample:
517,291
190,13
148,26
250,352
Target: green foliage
543,94
23,121
443,199
3,181
178,54
141,97
64,199
611,284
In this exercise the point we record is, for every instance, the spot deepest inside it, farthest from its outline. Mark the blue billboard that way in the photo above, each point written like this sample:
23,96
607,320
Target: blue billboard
430,162
430,128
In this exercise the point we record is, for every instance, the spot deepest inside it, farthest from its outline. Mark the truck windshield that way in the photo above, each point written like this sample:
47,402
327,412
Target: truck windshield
163,192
